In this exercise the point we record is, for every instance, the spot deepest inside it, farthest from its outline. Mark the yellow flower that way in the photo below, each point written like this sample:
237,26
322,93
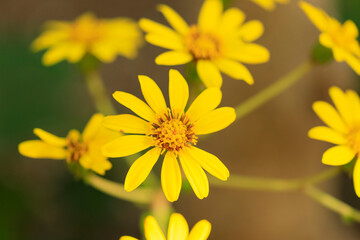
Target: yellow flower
178,229
102,38
269,4
343,130
219,42
341,38
75,148
169,131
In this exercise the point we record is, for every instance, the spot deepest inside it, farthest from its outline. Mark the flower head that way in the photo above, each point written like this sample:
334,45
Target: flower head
178,229
75,148
102,38
269,5
341,38
171,132
218,42
343,129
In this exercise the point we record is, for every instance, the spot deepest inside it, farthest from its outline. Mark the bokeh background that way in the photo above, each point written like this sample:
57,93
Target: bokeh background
39,199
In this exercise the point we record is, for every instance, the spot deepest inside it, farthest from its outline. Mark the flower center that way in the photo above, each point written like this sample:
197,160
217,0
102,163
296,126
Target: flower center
173,132
87,31
76,149
203,45
354,139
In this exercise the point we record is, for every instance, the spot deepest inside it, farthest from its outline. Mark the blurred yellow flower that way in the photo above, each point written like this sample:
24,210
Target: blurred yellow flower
343,130
172,131
178,229
269,4
341,38
219,42
102,38
75,148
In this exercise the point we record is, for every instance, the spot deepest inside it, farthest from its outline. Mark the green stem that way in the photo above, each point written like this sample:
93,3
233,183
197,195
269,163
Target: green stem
274,184
161,209
332,203
273,90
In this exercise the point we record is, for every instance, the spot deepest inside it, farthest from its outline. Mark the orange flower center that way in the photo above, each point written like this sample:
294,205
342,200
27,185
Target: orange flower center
76,149
87,31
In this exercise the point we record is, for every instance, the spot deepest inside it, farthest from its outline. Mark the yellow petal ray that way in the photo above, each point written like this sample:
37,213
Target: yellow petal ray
55,54
98,165
171,177
178,91
327,134
354,63
140,169
215,120
93,126
195,175
235,70
200,231
356,177
178,227
164,42
338,155
251,30
342,104
152,229
172,58
153,27
317,16
49,38
152,94
351,28
127,238
50,138
209,163
250,53
126,145
174,19
329,116
75,52
40,149
104,51
231,20
354,101
210,14
209,73
127,123
207,101
268,5
135,104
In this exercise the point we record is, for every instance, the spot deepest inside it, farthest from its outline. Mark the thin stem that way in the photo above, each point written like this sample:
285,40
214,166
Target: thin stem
273,90
140,196
332,203
274,184
161,209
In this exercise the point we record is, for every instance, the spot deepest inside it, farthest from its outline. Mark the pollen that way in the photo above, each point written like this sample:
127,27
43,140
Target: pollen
76,149
203,45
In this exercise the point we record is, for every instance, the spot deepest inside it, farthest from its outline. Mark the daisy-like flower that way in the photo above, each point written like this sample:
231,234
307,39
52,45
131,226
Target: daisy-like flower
178,229
169,131
82,148
341,38
102,38
269,5
343,129
220,41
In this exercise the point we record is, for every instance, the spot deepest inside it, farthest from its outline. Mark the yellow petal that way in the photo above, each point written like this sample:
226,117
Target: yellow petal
354,63
318,17
178,91
50,138
338,155
152,229
40,149
98,165
135,104
207,101
174,19
329,116
152,94
215,120
93,127
75,52
342,104
251,30
165,42
231,20
249,53
127,123
127,238
351,29
104,51
171,58
55,54
268,5
178,227
140,169
326,134
210,14
209,163
171,177
235,70
200,231
155,28
356,177
195,175
354,101
209,73
49,38
126,145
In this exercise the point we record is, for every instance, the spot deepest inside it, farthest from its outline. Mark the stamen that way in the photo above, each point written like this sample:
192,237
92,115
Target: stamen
76,149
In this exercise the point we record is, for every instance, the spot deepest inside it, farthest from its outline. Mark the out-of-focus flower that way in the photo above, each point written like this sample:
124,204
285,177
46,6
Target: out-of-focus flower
102,38
220,41
269,4
341,38
178,229
343,129
169,131
82,148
